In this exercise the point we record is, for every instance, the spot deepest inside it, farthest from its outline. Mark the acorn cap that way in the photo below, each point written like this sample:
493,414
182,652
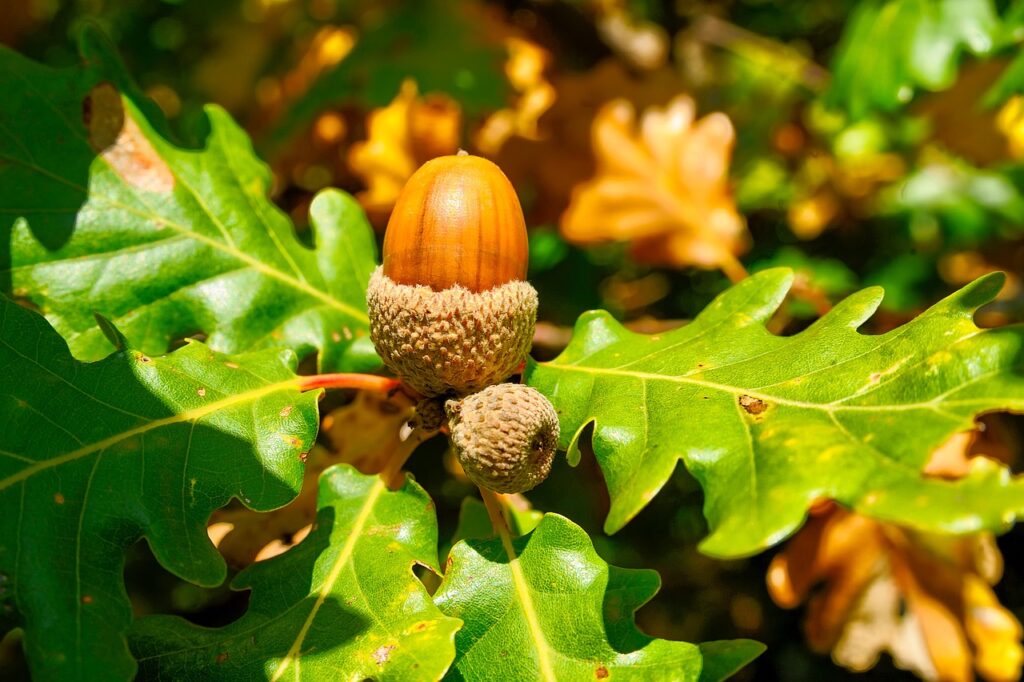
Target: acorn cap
451,341
505,436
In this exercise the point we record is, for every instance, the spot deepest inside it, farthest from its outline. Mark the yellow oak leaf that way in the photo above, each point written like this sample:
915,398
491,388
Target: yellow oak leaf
404,135
524,69
663,185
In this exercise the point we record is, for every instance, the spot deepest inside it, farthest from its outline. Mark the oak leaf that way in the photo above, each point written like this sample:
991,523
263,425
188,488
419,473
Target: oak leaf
403,136
661,184
363,433
524,69
925,599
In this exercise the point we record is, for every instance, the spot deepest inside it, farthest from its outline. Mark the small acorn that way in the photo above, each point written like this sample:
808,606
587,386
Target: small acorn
504,436
450,312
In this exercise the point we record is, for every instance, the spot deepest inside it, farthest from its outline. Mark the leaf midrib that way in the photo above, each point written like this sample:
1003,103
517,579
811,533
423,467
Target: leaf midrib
834,406
193,415
294,653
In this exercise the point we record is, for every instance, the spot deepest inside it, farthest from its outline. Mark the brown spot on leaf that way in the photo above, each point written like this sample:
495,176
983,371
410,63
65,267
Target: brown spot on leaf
382,654
58,498
222,657
231,365
753,405
121,143
303,456
103,116
286,410
201,392
86,598
601,673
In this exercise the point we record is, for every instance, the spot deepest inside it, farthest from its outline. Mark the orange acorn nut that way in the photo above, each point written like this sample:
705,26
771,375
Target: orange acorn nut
457,221
450,310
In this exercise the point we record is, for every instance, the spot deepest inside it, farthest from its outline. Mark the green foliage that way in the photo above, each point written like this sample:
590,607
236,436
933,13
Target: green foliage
547,607
891,48
968,205
110,216
343,604
769,424
95,456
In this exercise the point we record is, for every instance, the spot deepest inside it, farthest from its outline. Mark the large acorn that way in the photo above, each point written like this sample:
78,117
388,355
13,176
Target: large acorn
450,310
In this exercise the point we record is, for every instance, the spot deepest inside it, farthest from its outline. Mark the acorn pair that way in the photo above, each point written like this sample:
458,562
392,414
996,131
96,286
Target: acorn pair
452,315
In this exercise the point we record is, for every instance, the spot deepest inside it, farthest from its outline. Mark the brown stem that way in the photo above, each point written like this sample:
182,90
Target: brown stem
364,382
732,267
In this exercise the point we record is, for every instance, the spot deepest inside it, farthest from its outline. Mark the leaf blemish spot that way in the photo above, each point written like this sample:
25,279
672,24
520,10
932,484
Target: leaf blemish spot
286,410
382,654
752,405
86,598
58,498
231,365
201,392
601,673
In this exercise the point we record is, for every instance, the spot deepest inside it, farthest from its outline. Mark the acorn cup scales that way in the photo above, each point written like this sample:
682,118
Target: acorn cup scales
450,312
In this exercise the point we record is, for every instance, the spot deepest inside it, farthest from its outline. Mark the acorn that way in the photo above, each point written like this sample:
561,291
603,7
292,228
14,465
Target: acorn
504,436
450,312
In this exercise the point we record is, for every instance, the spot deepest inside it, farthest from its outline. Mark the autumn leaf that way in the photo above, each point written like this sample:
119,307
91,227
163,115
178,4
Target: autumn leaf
663,186
365,433
524,69
403,136
924,599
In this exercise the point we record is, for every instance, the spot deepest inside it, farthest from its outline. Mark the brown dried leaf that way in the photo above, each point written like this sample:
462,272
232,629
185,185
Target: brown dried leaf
662,185
404,135
363,433
525,69
924,599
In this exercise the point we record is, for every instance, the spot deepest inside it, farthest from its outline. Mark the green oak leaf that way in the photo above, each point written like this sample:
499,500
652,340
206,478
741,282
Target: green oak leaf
891,48
343,604
95,456
547,607
769,424
99,211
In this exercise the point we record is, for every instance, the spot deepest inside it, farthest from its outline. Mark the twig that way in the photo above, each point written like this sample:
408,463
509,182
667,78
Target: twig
364,382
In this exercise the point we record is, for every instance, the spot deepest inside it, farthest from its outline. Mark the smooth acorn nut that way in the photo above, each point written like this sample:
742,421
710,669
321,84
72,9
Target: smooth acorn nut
505,436
449,310
457,221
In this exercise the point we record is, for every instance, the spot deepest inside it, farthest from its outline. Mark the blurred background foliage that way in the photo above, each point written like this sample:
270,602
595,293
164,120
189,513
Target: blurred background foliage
661,148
